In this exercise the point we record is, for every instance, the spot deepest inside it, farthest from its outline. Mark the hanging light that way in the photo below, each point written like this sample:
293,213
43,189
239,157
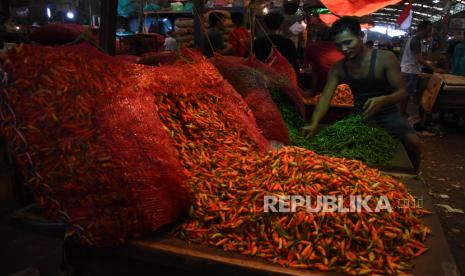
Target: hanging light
265,10
49,13
70,15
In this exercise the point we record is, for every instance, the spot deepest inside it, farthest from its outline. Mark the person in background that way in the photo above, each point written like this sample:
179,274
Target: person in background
215,42
321,55
292,26
412,62
170,43
458,58
239,38
375,80
262,45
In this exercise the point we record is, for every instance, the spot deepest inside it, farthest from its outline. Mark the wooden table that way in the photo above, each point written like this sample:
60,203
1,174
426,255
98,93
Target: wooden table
400,163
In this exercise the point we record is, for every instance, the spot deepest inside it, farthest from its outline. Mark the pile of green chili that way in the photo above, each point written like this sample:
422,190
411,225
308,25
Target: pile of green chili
350,138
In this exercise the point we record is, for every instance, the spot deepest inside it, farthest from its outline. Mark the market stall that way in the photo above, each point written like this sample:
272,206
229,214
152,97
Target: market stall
170,166
221,155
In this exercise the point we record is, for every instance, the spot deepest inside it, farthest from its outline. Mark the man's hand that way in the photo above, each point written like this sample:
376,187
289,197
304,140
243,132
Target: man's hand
372,106
308,130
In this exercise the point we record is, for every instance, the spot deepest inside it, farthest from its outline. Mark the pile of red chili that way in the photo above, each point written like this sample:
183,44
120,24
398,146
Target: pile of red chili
342,96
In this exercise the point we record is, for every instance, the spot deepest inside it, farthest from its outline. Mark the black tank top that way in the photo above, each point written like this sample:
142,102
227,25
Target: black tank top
369,87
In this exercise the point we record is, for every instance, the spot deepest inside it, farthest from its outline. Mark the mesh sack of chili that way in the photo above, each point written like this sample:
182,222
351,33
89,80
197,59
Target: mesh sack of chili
60,33
93,151
278,62
282,78
272,76
129,58
194,75
252,86
291,86
158,58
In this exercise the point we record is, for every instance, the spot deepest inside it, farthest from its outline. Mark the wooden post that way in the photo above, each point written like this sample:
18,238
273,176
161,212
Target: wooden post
198,11
107,32
5,8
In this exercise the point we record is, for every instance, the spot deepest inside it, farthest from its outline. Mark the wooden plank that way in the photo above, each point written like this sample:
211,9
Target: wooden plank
107,32
400,162
199,37
438,260
197,258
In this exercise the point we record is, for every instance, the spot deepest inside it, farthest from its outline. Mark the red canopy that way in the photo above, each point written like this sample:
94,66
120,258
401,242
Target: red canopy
328,19
356,7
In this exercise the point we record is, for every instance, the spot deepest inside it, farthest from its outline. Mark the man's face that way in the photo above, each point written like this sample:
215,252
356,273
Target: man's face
349,44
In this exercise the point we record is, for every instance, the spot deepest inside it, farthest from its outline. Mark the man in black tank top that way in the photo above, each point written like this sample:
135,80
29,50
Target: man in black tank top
375,80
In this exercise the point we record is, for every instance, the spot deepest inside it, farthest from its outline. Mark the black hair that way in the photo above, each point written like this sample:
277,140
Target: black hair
237,18
273,20
370,43
214,18
291,6
424,24
346,24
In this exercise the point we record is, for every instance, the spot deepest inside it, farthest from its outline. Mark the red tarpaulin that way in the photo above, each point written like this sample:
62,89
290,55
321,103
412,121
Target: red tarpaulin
328,19
356,7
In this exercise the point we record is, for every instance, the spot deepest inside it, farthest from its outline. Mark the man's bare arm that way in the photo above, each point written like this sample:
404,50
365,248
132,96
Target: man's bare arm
323,104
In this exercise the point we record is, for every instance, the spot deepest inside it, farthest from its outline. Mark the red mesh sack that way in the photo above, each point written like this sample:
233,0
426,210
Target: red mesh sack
278,62
267,114
158,58
195,76
277,76
271,75
86,136
243,78
251,85
128,58
60,33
